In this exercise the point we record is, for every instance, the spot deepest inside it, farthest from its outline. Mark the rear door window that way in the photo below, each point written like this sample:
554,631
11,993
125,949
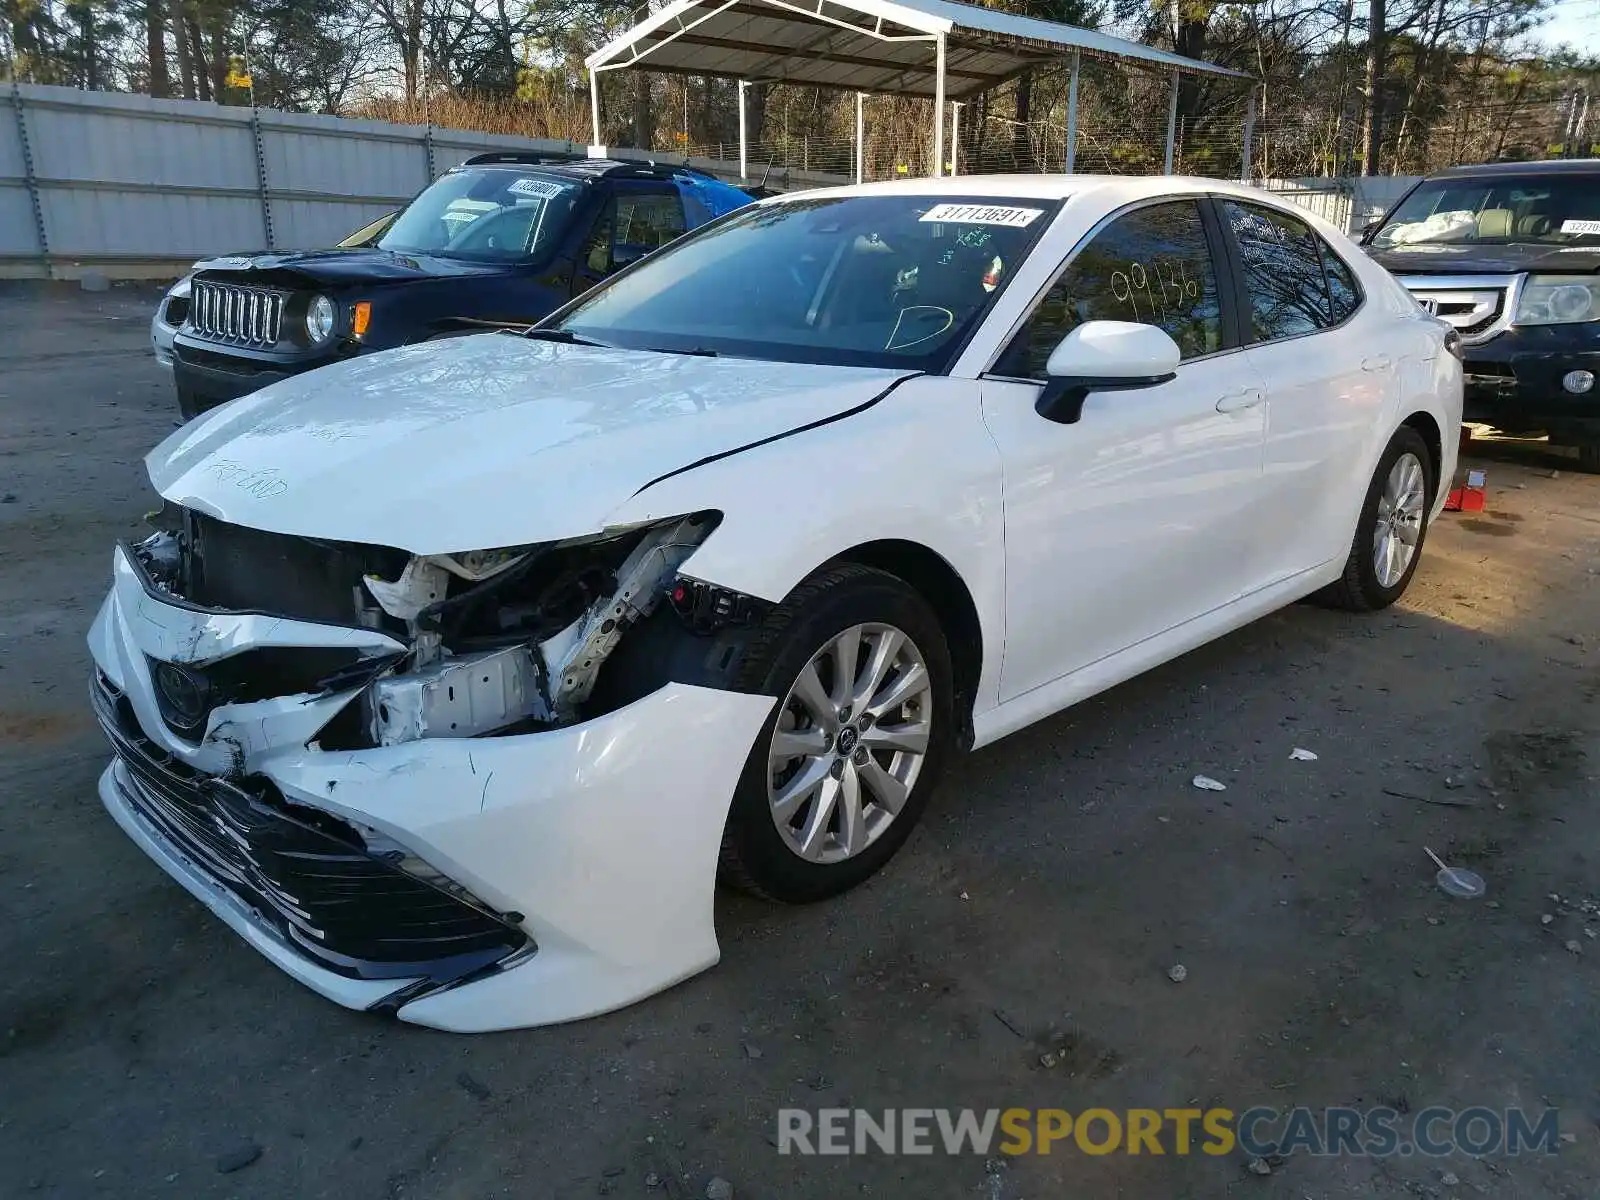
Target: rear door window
1286,292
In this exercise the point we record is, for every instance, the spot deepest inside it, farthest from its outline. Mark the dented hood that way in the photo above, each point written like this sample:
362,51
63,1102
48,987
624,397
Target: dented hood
486,441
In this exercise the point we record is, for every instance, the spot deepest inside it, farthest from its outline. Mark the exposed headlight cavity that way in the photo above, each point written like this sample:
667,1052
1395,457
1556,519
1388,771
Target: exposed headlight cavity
1558,300
319,319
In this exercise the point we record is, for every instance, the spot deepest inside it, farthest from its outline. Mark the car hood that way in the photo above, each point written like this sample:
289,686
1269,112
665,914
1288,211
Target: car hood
337,268
485,441
1426,258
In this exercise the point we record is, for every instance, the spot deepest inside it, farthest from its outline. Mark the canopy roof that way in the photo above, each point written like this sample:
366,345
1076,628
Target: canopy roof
864,45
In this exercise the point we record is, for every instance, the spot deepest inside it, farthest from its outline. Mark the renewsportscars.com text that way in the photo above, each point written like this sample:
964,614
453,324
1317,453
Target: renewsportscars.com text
1259,1132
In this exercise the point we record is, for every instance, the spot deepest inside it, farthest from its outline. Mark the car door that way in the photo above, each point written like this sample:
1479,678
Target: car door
636,219
1328,377
1137,517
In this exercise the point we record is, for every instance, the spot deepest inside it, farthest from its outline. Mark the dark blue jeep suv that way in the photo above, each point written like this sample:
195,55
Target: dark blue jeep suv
503,239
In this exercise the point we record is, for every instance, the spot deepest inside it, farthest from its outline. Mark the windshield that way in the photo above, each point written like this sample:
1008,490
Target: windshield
1547,209
489,215
883,280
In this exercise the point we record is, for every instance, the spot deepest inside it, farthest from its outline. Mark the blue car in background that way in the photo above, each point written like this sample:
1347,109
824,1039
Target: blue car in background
503,239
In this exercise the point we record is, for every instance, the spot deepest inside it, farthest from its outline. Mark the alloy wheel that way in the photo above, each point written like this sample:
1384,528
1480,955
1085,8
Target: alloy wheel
1399,520
851,738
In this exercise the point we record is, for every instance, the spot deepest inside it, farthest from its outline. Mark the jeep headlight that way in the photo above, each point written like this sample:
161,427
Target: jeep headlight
1558,300
319,320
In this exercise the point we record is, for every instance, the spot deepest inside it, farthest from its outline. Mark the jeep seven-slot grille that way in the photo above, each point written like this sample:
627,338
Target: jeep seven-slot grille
242,315
304,873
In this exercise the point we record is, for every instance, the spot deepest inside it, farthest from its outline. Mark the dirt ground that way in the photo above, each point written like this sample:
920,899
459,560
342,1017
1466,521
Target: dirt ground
1057,878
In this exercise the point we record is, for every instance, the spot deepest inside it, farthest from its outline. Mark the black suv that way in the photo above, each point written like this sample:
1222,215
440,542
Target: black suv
1509,254
503,239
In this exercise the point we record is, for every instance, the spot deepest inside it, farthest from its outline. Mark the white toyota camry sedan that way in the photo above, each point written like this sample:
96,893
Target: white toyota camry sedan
456,676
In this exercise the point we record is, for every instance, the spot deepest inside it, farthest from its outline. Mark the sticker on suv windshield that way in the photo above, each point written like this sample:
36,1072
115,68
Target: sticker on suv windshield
542,188
1580,227
982,214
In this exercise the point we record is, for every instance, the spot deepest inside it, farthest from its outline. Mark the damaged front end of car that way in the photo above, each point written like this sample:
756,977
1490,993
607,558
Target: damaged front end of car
501,640
340,748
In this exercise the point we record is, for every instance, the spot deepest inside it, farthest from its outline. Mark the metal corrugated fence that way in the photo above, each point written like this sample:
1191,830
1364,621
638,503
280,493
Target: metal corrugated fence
136,186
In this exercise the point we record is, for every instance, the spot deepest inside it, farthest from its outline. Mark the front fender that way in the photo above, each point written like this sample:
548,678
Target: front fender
918,466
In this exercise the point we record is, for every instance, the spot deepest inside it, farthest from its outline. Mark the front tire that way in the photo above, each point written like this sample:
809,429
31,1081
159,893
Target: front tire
1391,530
845,763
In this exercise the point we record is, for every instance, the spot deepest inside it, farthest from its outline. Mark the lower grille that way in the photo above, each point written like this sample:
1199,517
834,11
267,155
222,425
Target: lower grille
251,570
245,316
305,873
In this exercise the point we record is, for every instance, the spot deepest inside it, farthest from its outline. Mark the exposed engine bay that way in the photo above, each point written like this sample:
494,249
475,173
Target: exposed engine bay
498,642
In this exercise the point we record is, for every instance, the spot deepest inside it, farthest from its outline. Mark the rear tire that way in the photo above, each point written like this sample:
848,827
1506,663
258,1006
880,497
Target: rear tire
1589,458
1370,580
871,783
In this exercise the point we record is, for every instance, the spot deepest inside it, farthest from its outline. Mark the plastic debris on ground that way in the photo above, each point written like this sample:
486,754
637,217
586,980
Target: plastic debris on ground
1207,784
1456,881
1300,755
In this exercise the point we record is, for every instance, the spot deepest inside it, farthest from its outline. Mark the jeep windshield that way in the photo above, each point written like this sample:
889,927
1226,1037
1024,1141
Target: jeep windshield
881,280
1552,210
486,215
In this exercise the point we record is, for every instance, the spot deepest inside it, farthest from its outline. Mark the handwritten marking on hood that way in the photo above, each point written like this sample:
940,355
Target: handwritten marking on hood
263,483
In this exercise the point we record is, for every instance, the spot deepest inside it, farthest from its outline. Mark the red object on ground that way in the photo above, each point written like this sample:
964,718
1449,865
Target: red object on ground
1467,496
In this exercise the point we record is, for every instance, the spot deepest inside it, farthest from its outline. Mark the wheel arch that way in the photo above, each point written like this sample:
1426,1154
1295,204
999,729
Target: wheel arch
940,584
1428,428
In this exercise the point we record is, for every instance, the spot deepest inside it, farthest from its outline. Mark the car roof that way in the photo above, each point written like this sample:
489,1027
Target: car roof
1111,189
1553,166
581,167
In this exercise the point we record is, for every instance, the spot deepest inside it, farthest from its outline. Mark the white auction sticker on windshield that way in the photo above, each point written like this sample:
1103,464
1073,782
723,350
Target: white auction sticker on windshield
535,187
983,214
1580,227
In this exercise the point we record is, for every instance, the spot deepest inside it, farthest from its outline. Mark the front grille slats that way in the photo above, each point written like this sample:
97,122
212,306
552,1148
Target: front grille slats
229,312
351,912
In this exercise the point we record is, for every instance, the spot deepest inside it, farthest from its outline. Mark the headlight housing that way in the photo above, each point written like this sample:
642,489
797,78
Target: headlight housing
181,289
319,320
1558,300
477,565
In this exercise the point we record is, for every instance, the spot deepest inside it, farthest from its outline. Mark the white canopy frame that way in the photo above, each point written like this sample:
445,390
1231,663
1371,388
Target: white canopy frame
873,46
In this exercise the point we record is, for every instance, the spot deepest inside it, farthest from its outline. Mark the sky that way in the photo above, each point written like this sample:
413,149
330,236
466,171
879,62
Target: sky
1574,22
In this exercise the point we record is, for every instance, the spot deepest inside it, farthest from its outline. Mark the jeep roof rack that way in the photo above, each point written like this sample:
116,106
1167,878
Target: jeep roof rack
522,156
641,168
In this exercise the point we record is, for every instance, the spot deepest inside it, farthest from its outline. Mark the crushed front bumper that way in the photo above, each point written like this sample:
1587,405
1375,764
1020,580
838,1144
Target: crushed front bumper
570,871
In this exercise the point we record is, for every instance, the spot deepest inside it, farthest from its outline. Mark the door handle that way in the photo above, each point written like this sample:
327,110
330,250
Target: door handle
1378,362
1242,399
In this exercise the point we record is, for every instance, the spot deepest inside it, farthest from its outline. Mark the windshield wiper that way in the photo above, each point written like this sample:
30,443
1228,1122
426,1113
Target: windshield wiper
692,351
564,336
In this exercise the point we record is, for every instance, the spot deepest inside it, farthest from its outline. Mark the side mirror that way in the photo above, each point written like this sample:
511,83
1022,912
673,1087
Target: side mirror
1104,356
